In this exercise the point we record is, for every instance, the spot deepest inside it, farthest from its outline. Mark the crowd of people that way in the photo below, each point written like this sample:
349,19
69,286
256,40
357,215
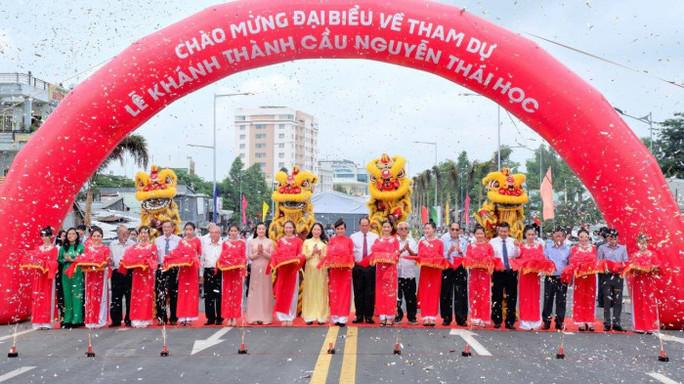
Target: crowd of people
137,280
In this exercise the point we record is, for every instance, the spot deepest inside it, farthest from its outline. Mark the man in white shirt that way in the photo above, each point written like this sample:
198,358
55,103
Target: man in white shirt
120,283
506,250
211,276
407,271
166,283
363,275
454,291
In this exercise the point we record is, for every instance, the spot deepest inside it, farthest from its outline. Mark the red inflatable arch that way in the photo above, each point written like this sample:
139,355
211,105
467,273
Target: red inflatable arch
447,41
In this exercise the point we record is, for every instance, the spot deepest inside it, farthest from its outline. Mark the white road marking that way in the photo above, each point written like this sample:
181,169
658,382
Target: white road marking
215,339
662,378
10,336
467,336
666,337
15,373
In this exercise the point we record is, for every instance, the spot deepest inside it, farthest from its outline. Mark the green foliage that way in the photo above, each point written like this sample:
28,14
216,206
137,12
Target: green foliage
195,182
112,181
668,146
252,183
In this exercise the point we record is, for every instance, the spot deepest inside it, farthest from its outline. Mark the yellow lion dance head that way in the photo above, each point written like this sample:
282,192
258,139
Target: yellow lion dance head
505,199
505,188
390,190
292,196
156,191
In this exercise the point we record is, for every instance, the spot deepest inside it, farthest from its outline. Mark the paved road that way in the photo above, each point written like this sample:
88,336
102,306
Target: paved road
363,355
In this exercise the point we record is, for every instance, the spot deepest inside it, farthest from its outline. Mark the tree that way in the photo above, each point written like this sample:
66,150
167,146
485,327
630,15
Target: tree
669,146
252,183
196,183
576,206
132,145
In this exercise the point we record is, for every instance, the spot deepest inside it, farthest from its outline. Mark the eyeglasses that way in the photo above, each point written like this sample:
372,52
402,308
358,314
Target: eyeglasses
455,229
402,228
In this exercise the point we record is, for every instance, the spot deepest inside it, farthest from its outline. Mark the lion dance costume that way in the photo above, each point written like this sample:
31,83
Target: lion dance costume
292,197
156,192
505,200
390,191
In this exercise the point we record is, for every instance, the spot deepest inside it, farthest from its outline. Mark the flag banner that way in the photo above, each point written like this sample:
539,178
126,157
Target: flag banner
546,193
466,210
423,215
264,211
447,214
215,204
244,209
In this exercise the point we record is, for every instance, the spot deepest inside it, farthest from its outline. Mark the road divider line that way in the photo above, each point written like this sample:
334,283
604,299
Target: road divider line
348,371
662,378
666,337
467,336
320,372
15,373
3,338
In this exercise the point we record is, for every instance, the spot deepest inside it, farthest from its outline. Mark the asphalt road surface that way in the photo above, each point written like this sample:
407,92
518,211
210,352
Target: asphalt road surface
362,355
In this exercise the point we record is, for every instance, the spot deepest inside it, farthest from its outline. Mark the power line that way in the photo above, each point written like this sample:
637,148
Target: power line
597,57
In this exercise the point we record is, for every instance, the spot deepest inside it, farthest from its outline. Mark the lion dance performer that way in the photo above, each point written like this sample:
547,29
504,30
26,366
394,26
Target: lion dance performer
505,199
156,191
390,191
292,197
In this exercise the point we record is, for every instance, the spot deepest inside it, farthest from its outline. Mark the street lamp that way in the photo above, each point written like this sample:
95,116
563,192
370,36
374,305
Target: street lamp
648,119
498,127
213,148
435,147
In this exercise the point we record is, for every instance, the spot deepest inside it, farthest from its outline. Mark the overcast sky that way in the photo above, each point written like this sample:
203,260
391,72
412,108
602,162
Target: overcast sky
64,41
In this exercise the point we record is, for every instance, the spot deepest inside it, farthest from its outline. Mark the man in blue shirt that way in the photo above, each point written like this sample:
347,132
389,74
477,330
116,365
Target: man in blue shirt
554,289
611,289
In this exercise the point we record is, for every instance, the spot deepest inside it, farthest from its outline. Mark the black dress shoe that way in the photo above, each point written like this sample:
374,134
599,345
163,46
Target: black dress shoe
461,323
358,320
370,321
547,326
114,325
172,322
510,326
617,327
559,326
128,323
606,327
446,323
219,322
210,322
497,326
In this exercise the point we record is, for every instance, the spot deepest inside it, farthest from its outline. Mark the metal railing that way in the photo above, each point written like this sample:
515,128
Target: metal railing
23,78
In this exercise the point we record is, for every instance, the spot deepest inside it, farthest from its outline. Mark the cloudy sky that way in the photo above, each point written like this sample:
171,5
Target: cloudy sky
67,40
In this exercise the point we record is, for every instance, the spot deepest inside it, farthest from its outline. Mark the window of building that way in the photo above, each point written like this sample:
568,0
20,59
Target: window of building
262,165
260,126
281,155
281,145
240,117
242,137
281,165
281,126
260,145
260,155
260,135
242,146
242,155
281,135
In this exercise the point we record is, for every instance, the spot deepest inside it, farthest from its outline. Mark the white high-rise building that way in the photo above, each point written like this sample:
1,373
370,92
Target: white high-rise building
276,137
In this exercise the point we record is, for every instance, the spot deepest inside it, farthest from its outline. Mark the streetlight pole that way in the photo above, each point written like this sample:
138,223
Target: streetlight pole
648,119
434,144
213,148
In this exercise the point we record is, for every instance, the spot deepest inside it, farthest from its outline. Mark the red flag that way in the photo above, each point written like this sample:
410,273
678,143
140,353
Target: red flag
244,209
546,192
423,214
466,210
